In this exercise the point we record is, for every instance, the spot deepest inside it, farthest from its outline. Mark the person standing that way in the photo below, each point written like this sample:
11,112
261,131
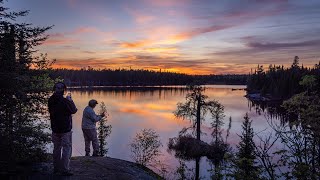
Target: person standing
89,120
61,110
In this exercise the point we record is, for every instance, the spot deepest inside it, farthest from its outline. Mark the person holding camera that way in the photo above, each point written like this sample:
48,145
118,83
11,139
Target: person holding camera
89,120
61,110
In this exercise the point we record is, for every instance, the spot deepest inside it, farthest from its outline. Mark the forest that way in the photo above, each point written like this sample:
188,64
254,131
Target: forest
140,77
280,83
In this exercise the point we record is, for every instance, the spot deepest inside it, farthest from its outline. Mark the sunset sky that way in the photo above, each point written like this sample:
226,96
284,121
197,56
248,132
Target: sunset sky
187,36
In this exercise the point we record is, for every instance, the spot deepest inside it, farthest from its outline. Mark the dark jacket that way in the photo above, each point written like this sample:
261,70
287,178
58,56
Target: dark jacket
60,110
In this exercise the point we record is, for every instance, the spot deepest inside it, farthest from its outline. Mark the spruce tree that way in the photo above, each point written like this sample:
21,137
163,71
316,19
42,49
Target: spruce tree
245,167
104,131
23,92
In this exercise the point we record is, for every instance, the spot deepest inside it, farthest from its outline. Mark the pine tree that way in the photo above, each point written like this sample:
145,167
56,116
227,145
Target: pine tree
196,107
104,131
245,167
295,63
23,91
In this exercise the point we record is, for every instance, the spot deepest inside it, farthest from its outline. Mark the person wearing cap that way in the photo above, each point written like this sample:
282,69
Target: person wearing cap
61,110
89,120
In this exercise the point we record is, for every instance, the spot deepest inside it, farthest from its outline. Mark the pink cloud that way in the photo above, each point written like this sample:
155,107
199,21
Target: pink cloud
60,41
139,17
85,30
67,38
142,19
72,3
198,31
167,3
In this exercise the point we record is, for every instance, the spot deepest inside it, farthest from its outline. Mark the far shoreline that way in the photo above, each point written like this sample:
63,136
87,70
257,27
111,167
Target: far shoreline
152,87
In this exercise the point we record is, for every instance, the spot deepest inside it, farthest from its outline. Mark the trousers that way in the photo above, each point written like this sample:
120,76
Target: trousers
62,150
90,135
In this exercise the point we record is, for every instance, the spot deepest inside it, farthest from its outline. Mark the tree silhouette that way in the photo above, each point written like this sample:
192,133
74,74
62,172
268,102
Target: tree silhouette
279,83
24,90
302,138
295,63
104,130
196,107
145,147
245,167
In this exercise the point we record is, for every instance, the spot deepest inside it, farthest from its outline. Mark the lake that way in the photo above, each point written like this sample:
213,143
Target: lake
132,110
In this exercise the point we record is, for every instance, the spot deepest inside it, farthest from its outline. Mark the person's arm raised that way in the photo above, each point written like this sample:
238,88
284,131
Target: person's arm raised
94,117
71,106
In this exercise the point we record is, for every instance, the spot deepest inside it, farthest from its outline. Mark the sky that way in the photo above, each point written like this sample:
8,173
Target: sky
184,36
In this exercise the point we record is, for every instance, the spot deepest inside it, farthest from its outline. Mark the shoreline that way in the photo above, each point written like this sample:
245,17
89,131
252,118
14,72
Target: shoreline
257,97
151,86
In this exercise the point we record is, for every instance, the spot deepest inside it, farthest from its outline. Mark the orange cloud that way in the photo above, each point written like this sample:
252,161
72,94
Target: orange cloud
59,41
160,49
135,44
165,37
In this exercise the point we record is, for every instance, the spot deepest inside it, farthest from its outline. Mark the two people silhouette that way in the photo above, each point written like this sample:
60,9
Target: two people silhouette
61,109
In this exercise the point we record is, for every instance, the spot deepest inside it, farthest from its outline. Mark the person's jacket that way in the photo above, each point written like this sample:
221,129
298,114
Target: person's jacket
89,118
61,110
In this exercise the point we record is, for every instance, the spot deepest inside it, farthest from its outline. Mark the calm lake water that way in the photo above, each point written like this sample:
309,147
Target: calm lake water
132,110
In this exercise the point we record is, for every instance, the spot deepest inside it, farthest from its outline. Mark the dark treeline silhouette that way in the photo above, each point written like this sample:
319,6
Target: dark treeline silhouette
278,82
125,77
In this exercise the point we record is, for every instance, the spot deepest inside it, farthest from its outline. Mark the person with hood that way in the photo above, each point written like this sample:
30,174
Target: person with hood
89,120
61,110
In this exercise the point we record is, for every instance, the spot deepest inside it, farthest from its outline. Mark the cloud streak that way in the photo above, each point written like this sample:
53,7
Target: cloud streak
175,38
271,52
72,37
272,46
253,47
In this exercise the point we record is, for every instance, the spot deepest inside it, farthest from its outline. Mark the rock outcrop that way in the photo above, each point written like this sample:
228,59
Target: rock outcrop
86,168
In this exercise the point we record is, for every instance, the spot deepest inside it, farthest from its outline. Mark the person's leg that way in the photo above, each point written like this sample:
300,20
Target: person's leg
95,142
86,135
66,151
56,139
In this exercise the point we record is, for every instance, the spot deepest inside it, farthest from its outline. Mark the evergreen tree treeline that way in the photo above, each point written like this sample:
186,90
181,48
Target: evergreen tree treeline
125,77
278,82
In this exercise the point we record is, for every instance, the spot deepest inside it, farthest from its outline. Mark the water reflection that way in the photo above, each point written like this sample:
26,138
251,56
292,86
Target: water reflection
132,109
